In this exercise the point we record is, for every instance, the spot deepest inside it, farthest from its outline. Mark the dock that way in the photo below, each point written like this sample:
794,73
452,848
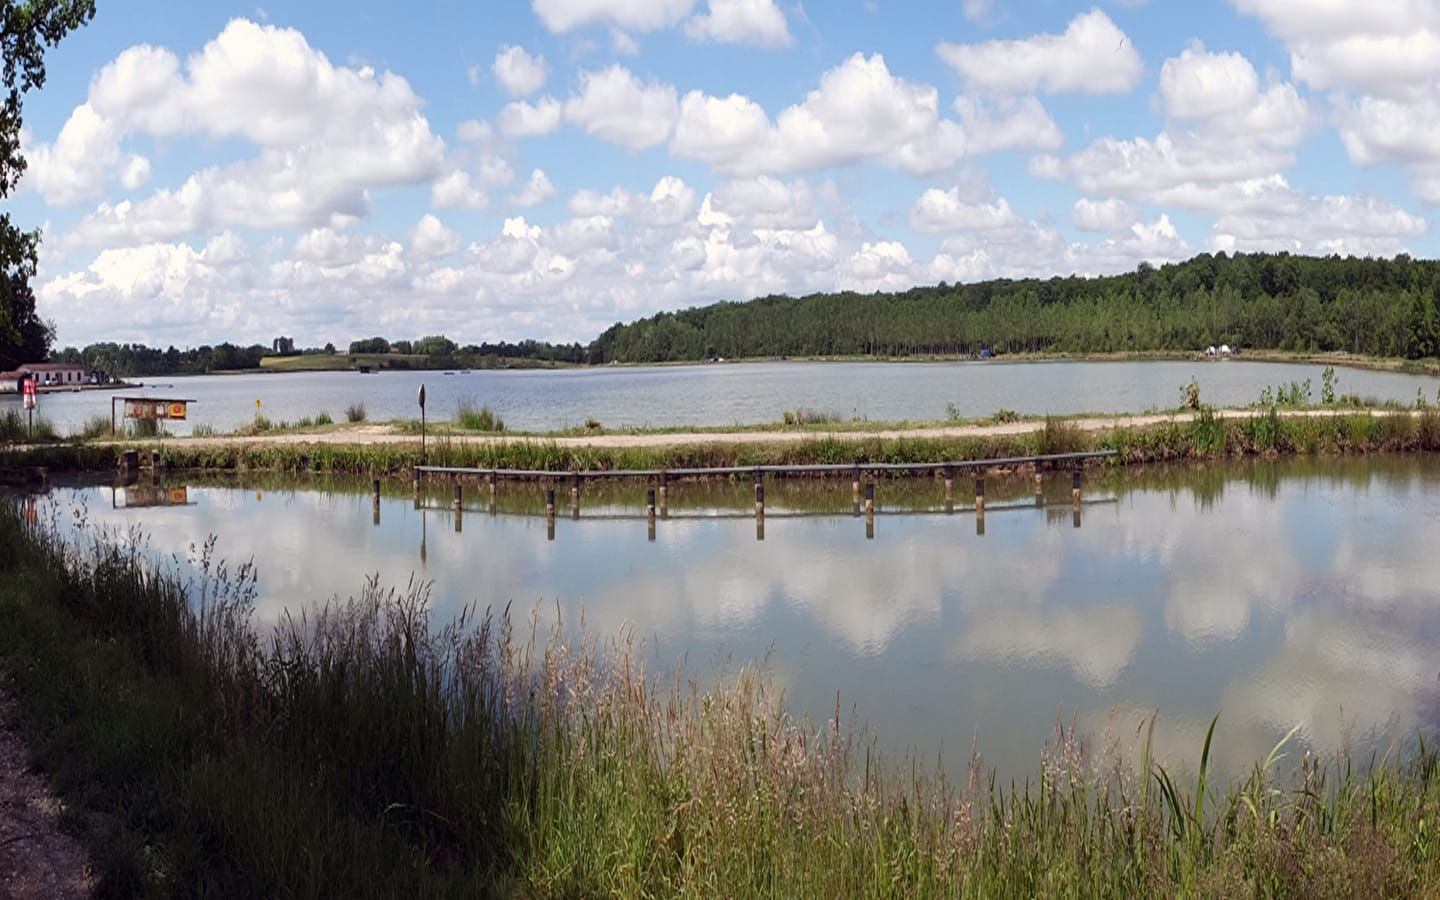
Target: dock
862,483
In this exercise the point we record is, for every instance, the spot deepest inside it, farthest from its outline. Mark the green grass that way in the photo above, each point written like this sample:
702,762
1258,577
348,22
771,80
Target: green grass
96,427
19,426
364,750
471,418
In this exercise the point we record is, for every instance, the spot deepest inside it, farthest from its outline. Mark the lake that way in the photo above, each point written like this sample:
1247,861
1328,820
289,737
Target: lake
1275,593
732,393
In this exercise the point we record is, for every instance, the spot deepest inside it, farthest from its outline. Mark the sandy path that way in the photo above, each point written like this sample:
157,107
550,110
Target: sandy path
381,434
37,858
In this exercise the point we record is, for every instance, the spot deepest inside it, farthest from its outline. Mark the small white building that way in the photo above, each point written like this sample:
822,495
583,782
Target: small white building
46,375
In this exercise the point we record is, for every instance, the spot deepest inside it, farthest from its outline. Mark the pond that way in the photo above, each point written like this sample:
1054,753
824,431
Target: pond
1275,593
731,394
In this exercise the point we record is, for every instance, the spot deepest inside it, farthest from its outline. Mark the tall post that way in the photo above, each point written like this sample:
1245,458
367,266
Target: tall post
949,485
493,491
375,518
1075,488
457,507
759,494
650,513
869,499
422,425
664,494
1039,493
855,486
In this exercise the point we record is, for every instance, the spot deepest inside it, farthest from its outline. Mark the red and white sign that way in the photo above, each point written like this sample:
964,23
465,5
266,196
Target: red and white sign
29,392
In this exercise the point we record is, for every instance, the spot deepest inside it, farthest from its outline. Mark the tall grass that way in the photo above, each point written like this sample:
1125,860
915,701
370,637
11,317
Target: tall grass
472,418
355,412
97,426
363,750
17,426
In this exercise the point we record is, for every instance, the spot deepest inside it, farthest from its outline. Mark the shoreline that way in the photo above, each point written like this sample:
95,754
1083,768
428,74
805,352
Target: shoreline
394,449
1341,359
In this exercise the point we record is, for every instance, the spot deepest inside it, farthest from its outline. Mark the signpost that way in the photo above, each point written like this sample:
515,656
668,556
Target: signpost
29,390
422,424
155,408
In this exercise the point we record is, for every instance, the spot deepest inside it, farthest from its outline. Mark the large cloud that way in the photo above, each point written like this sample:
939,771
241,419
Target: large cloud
741,22
1092,56
859,111
614,105
326,133
634,15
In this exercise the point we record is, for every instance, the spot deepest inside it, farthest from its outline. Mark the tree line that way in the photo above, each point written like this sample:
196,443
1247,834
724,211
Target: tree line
1374,307
127,360
1276,301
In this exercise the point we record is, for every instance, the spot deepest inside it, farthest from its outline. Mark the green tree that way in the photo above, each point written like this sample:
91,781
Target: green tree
27,29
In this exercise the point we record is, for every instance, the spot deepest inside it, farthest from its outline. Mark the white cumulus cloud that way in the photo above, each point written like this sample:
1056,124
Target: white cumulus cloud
741,22
1092,56
615,106
519,73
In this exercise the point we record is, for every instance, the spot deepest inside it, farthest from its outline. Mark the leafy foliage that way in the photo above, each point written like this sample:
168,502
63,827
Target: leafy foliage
27,30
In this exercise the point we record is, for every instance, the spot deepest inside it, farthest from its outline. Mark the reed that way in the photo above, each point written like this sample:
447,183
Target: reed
482,418
363,750
19,427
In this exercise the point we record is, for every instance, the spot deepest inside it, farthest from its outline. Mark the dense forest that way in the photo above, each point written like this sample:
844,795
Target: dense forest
1256,301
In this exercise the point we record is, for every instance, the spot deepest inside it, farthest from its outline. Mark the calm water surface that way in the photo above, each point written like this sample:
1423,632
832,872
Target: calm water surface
1275,593
729,394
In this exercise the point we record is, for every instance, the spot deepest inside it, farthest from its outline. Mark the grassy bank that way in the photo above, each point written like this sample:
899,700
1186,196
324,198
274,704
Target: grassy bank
1200,435
365,751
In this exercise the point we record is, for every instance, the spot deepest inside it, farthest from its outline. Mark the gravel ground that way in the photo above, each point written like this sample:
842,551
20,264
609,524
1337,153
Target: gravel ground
38,859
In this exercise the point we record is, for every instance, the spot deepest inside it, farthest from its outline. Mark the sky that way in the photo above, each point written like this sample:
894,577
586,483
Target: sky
329,171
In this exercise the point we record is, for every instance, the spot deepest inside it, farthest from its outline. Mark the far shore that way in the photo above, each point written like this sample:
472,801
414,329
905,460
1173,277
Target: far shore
342,363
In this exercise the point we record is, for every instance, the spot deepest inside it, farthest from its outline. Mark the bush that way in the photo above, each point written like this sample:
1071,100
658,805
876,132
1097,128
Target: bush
324,419
355,412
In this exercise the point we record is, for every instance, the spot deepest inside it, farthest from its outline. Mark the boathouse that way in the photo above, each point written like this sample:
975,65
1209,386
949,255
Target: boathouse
46,375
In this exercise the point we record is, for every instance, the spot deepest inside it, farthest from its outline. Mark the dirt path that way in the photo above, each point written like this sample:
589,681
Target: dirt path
37,859
382,434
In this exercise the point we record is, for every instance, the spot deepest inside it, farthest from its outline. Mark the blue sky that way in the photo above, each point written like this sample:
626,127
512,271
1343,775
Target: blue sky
330,171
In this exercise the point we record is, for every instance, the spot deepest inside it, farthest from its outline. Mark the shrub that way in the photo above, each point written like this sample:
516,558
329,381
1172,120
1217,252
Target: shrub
324,419
355,412
1190,394
1060,436
817,417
